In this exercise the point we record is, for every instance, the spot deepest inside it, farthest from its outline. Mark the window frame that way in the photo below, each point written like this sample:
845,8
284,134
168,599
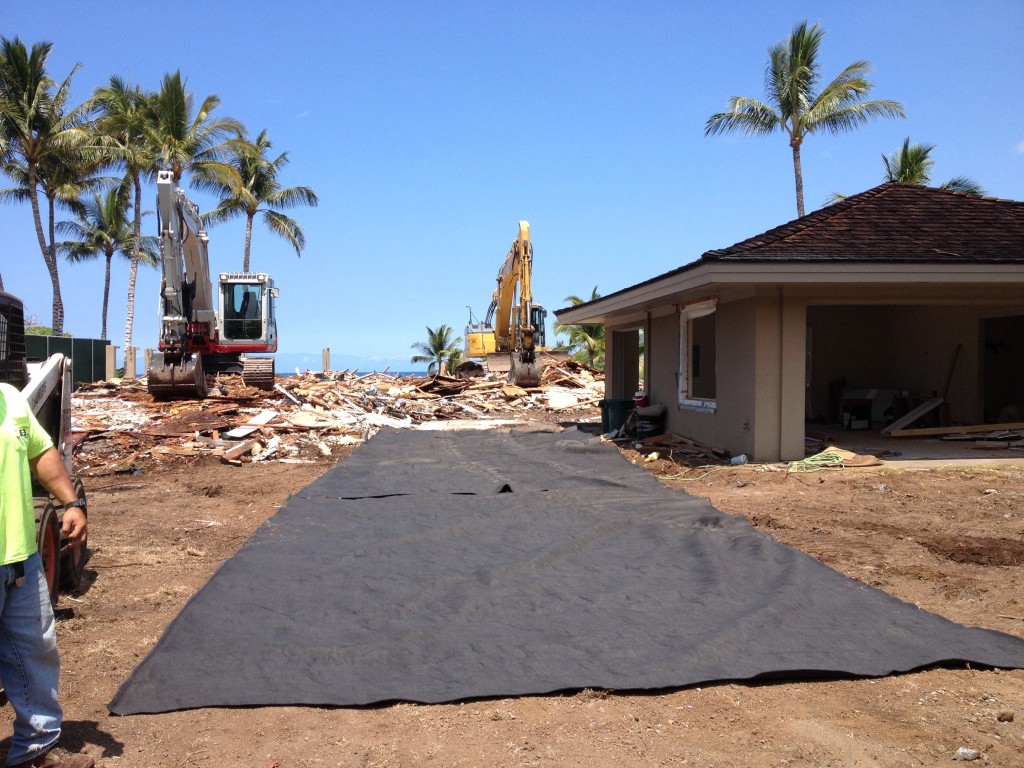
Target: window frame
688,313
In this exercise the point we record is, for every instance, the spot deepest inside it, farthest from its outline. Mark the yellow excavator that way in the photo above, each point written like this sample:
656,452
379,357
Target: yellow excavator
513,328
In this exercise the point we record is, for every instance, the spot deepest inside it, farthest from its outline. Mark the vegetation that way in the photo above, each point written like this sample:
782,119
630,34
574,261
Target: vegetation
586,342
912,164
794,105
255,189
42,330
122,120
38,135
57,152
440,350
103,230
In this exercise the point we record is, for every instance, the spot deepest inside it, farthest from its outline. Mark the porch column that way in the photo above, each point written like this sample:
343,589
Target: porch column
622,358
779,360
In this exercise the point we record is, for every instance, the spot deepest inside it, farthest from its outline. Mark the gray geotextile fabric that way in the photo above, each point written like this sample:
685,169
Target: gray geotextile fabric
405,574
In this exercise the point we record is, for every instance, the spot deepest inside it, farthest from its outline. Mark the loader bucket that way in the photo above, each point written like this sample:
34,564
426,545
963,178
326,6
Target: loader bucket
183,378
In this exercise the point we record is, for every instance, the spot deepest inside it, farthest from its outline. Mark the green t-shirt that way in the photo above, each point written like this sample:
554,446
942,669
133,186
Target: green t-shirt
21,438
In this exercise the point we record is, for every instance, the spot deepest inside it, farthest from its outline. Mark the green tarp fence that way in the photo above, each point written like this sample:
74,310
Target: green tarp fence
89,356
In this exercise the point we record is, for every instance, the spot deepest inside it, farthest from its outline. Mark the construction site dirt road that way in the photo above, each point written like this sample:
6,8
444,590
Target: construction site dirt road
948,539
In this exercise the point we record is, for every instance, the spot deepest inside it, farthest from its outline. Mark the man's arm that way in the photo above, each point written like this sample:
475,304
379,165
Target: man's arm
49,469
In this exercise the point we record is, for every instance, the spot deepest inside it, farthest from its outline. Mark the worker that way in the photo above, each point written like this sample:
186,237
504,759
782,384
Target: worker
29,664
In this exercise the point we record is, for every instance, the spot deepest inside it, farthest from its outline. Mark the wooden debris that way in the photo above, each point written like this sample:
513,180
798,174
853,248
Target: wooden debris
679,444
239,450
961,430
259,420
905,421
118,424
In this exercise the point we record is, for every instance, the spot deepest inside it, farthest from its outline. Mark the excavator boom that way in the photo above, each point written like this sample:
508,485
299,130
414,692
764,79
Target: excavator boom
514,325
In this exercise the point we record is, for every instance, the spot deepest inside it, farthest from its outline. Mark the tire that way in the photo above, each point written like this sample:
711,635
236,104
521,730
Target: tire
48,541
72,559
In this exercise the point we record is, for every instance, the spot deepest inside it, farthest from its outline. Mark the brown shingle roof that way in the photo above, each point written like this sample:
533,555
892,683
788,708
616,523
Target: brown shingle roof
894,222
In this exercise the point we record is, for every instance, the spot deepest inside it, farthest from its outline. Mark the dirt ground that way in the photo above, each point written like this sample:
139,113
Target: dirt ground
948,539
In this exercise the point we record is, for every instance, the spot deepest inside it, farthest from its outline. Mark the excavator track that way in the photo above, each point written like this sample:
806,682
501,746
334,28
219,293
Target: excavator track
258,372
185,378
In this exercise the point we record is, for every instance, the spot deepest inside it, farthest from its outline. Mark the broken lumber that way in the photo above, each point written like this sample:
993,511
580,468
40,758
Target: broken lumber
239,450
962,430
905,421
253,424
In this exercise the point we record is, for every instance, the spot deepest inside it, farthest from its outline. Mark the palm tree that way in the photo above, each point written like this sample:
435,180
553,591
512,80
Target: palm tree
122,111
437,349
35,129
912,164
586,342
62,177
103,228
454,358
186,139
256,190
791,77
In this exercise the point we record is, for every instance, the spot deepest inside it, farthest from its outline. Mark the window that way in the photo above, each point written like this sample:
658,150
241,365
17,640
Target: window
243,311
697,356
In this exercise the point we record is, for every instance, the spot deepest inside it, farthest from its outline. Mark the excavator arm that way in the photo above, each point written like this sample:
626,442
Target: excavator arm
512,303
186,295
185,290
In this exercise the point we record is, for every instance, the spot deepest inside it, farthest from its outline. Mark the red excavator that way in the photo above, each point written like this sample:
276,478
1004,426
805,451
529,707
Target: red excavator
196,339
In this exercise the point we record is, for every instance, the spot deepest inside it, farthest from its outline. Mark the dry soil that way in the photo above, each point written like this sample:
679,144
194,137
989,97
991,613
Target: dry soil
950,540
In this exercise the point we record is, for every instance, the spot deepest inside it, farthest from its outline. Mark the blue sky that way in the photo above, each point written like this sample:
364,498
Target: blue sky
429,129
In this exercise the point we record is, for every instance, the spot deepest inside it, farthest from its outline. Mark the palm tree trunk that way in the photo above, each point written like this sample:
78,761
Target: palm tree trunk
37,219
106,295
134,270
248,242
51,264
799,174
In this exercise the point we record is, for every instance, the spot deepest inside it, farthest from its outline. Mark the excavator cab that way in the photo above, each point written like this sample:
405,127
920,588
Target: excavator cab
247,309
538,317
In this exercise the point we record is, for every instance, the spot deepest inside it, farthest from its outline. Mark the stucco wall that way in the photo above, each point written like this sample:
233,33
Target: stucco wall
731,425
662,351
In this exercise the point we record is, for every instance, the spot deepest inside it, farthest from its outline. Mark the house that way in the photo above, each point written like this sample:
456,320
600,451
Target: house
887,298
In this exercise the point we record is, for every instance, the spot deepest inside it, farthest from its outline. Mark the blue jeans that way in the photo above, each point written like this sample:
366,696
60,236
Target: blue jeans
29,665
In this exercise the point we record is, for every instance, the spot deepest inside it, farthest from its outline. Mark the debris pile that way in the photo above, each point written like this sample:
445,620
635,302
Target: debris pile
118,425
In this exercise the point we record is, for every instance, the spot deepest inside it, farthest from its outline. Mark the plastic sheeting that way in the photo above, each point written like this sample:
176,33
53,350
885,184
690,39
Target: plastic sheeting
435,566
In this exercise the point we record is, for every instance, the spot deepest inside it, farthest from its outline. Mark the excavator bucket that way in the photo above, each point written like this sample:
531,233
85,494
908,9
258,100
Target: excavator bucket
499,362
184,378
517,372
524,374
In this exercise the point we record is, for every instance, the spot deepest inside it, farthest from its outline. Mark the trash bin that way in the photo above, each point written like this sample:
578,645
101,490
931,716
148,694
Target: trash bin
614,414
